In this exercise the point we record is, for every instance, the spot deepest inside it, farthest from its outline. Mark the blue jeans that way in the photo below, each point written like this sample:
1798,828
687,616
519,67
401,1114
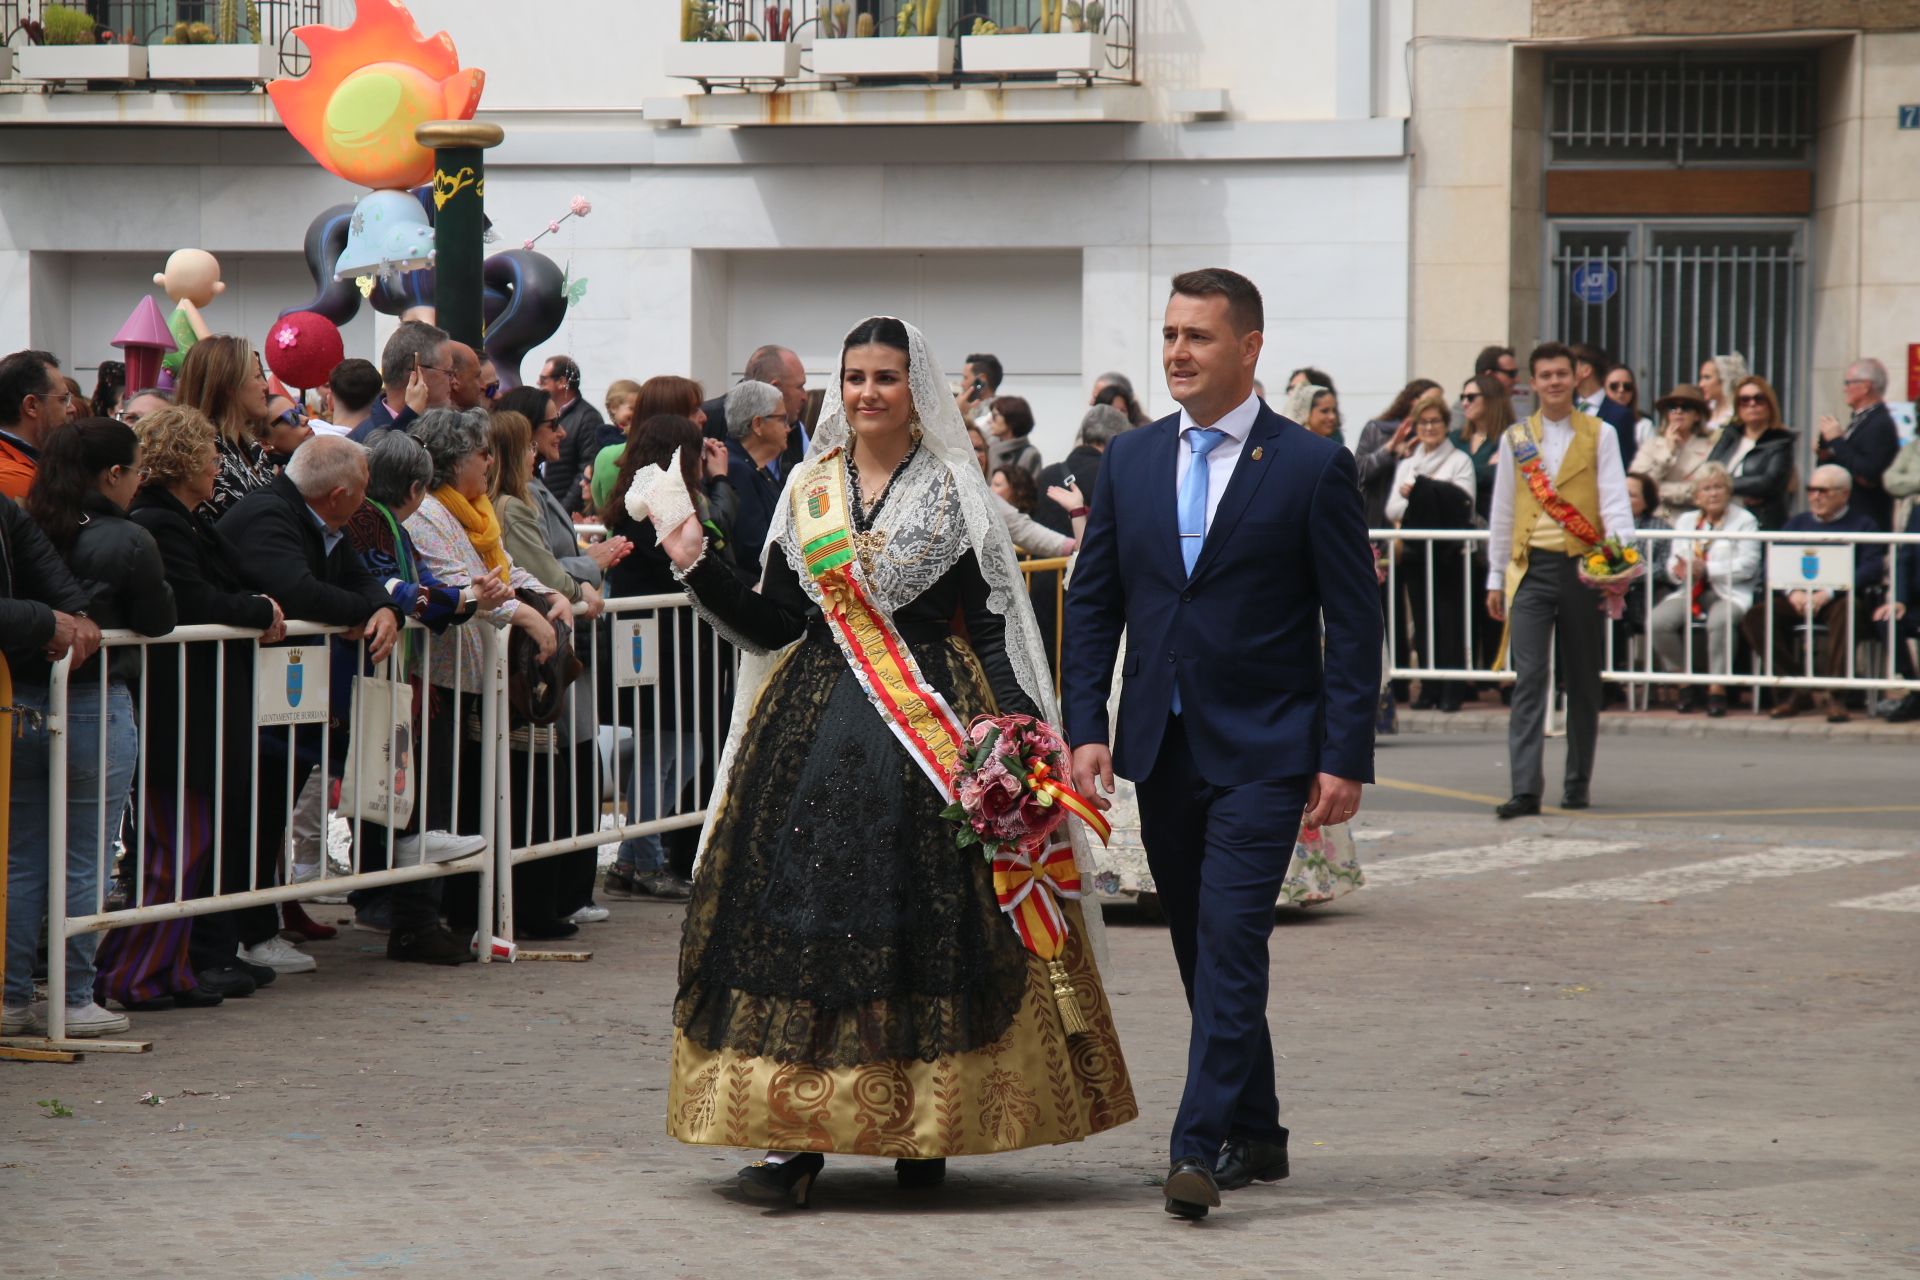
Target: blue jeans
87,789
645,853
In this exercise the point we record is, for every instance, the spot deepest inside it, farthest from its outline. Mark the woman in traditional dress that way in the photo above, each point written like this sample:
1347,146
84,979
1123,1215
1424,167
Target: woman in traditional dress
848,982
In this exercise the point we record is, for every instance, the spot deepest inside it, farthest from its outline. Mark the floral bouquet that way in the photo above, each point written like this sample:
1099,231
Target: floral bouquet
1009,802
1008,793
1612,567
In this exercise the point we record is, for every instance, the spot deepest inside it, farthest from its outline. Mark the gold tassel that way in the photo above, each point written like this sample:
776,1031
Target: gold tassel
1070,1015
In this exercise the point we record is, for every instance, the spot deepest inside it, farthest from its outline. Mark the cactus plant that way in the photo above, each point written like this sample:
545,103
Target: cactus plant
864,27
930,17
65,25
1096,16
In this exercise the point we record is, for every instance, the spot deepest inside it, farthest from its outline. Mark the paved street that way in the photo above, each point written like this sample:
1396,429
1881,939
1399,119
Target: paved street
1588,1048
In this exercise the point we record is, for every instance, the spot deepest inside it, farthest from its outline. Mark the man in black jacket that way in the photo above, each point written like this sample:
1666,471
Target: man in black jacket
580,421
1868,443
288,541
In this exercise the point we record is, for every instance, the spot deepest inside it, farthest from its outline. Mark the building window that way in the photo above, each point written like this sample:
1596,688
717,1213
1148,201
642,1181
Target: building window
1681,110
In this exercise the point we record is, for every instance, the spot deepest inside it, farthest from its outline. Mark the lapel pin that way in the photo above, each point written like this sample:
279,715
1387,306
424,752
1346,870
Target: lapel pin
1257,452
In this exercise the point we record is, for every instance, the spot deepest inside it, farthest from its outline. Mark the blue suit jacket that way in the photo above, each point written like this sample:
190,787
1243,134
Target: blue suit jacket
1620,418
1242,636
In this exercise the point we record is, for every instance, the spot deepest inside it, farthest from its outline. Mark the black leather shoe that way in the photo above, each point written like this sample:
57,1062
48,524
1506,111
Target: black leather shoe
1518,807
198,998
226,981
1716,706
790,1179
1191,1190
1908,709
261,974
1248,1160
1575,798
919,1175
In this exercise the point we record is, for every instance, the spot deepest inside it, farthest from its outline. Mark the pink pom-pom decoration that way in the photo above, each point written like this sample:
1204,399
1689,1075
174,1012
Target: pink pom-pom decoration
527,244
580,208
303,347
552,227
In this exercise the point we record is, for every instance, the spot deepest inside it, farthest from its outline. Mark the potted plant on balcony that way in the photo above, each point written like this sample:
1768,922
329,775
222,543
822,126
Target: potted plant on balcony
69,45
229,48
1067,38
710,50
908,44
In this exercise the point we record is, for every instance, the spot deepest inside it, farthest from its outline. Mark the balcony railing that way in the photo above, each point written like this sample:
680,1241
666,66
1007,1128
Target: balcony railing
155,43
758,46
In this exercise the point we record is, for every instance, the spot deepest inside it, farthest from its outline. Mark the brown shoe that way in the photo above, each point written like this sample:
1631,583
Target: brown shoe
1837,712
1793,706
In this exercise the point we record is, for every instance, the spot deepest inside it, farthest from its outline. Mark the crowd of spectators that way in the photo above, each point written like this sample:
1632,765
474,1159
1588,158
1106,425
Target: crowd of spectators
416,491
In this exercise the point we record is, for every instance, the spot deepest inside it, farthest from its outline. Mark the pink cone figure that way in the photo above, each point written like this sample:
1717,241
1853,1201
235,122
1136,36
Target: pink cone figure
146,340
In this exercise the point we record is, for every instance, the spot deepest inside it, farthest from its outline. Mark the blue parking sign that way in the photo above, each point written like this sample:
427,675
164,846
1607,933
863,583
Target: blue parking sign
1595,282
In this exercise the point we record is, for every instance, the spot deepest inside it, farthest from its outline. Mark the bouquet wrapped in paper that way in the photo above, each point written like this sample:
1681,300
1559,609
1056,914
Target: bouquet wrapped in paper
1611,567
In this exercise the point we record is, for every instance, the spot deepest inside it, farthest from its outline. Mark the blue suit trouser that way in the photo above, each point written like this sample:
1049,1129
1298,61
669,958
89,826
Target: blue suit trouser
1219,855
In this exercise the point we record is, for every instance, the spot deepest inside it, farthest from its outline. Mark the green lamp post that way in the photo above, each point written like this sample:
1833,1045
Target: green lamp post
459,198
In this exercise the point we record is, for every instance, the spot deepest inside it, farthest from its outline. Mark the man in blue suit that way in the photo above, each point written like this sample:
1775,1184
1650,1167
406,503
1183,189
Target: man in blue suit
1224,541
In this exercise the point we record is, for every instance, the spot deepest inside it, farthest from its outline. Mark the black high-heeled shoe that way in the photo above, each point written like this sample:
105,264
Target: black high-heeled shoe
918,1175
790,1178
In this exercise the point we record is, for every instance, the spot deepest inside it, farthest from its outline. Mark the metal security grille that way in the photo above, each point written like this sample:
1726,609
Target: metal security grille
1664,297
1679,110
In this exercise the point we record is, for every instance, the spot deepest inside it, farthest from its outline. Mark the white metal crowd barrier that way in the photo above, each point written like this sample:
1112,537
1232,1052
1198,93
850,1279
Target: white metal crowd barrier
1789,561
304,697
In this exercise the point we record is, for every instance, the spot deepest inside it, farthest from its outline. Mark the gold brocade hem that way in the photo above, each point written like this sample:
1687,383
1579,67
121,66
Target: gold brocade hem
1034,1086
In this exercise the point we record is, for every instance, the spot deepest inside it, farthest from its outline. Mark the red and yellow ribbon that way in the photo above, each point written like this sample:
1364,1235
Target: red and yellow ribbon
1029,888
1526,456
1053,792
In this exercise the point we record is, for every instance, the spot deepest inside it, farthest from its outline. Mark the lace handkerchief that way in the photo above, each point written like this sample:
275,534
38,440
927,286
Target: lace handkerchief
660,496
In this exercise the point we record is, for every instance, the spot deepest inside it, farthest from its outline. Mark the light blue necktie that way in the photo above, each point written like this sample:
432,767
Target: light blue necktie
1193,506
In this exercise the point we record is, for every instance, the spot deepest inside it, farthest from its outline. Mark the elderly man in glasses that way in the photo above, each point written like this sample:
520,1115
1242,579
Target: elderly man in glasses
1867,443
1830,509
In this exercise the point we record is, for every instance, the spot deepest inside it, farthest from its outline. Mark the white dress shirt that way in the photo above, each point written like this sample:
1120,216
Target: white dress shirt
1225,456
1616,512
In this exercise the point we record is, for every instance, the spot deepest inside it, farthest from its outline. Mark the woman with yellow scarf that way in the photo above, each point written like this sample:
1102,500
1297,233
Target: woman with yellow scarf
458,536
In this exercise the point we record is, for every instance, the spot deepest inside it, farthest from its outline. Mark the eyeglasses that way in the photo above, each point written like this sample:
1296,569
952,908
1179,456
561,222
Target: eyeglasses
491,390
1468,397
1856,382
57,397
546,422
292,417
1749,399
1824,488
1508,371
1622,387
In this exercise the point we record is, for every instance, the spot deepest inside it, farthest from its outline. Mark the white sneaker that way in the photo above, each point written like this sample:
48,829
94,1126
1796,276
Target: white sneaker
438,846
589,914
281,956
23,1020
89,1020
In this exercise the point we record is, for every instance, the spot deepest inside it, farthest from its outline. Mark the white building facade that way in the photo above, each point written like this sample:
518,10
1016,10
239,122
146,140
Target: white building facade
1038,219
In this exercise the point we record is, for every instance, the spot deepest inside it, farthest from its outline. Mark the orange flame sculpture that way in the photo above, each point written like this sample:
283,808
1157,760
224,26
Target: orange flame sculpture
368,86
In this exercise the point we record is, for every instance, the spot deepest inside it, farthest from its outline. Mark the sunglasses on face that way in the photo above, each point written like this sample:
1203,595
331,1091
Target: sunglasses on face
491,390
1622,387
1468,397
292,417
1750,399
1822,488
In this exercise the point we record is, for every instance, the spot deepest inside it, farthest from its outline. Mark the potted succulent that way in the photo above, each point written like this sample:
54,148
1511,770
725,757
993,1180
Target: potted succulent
1067,38
69,45
909,43
228,48
711,51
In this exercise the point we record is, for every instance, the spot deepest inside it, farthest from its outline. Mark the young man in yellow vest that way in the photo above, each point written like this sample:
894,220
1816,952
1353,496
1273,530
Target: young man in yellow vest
1560,477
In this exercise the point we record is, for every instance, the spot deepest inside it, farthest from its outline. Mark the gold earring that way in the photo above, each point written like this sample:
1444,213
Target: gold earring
913,426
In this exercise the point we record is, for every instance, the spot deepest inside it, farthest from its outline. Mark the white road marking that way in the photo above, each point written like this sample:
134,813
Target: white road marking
1907,899
1527,851
1701,877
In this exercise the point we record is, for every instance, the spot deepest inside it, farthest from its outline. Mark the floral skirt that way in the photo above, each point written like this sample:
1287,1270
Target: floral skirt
848,982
